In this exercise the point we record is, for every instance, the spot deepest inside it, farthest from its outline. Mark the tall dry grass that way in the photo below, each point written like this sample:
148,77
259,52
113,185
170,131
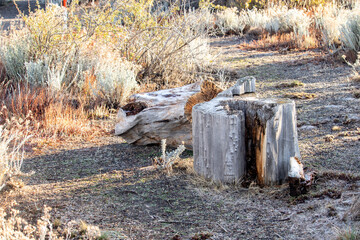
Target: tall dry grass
12,141
330,25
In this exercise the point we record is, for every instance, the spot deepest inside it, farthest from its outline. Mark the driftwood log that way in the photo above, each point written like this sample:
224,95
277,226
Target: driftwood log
237,135
151,117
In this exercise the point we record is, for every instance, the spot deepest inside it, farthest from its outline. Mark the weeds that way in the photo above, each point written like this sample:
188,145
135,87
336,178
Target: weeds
11,154
167,159
14,227
348,234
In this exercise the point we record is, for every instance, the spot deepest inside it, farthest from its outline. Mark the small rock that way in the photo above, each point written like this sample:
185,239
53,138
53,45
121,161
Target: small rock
329,138
351,56
344,134
336,120
352,118
307,128
336,128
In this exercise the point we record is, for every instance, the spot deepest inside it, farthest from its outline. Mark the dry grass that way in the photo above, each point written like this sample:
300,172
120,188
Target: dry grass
300,95
348,234
21,99
61,120
184,165
281,42
354,212
14,227
356,93
49,116
291,84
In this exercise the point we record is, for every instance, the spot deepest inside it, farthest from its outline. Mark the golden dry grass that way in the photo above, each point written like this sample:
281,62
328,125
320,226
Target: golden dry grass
281,42
300,95
50,115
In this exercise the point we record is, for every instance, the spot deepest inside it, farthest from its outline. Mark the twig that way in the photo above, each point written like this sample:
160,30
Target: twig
129,191
223,228
177,222
278,235
284,219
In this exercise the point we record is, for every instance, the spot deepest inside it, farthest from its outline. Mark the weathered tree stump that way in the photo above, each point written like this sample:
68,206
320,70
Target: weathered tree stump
219,142
268,139
151,117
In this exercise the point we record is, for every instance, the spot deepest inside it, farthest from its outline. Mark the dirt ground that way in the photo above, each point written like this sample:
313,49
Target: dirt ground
111,184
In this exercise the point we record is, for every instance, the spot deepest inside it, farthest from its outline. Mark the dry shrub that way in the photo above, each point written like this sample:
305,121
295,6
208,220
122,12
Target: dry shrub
102,52
167,159
15,227
337,24
11,153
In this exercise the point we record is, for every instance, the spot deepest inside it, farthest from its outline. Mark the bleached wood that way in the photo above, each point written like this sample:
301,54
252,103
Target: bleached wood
242,86
270,137
163,118
219,142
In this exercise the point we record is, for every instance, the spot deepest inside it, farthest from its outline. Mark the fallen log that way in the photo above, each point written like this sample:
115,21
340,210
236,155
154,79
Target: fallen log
151,117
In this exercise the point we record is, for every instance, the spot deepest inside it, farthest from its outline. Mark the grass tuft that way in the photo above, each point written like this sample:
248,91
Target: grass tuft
300,95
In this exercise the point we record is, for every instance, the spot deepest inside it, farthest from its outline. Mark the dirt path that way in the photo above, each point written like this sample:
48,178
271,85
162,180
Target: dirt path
111,184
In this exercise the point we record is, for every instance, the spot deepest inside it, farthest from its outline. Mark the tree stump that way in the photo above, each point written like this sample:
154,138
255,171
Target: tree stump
264,144
219,142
